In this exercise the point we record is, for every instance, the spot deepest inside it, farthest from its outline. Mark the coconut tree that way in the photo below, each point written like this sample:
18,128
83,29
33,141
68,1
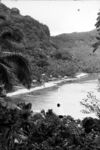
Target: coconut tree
14,66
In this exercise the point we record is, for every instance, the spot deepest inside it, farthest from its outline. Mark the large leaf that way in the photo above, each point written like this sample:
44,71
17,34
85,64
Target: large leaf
20,66
6,76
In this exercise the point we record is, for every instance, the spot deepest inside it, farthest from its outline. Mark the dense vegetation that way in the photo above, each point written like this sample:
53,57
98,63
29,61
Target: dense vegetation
14,67
80,46
58,56
22,129
52,56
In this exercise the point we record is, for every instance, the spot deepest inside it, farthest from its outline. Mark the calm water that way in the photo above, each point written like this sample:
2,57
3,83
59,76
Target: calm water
67,95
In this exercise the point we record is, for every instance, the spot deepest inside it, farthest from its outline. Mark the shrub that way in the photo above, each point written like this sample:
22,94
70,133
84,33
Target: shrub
23,129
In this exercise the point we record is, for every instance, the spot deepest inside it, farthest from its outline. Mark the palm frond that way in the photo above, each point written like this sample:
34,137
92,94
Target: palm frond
20,66
6,76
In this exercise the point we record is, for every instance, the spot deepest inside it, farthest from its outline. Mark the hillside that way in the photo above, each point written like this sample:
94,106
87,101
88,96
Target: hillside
80,46
76,42
58,56
27,35
35,43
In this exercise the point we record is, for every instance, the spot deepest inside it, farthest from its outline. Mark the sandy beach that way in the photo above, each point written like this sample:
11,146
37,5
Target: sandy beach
47,85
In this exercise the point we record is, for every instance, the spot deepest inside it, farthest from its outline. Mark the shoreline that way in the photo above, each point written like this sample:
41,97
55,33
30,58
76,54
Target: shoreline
48,85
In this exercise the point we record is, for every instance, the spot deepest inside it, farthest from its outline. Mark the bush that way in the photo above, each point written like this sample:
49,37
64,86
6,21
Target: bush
23,129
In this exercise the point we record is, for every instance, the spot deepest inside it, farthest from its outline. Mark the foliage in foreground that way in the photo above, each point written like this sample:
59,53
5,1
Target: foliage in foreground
91,104
14,66
22,129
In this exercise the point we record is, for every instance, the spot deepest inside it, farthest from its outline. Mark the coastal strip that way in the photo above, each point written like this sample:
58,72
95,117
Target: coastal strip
47,85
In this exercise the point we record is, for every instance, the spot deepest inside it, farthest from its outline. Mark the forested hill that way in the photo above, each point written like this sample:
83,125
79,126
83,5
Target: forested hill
76,42
80,46
36,43
54,56
35,33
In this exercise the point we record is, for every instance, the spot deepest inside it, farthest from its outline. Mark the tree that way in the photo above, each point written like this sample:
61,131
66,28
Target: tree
97,43
14,65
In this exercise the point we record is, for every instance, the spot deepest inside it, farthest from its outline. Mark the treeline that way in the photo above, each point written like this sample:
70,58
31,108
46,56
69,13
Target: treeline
81,47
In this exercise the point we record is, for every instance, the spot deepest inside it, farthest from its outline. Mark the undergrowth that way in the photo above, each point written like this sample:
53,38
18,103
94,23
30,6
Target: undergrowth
23,129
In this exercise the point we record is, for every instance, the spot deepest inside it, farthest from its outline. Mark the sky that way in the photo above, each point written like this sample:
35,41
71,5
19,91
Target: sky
61,16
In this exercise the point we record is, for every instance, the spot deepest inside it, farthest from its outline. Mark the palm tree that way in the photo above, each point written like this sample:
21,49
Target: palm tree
14,66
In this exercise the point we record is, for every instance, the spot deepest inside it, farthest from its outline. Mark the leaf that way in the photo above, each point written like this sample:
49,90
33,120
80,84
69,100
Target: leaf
20,66
6,76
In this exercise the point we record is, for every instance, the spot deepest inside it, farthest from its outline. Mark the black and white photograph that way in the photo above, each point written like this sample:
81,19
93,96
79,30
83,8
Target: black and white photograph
49,74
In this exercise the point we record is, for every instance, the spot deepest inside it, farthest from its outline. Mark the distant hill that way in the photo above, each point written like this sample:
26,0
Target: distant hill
57,56
80,46
77,43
